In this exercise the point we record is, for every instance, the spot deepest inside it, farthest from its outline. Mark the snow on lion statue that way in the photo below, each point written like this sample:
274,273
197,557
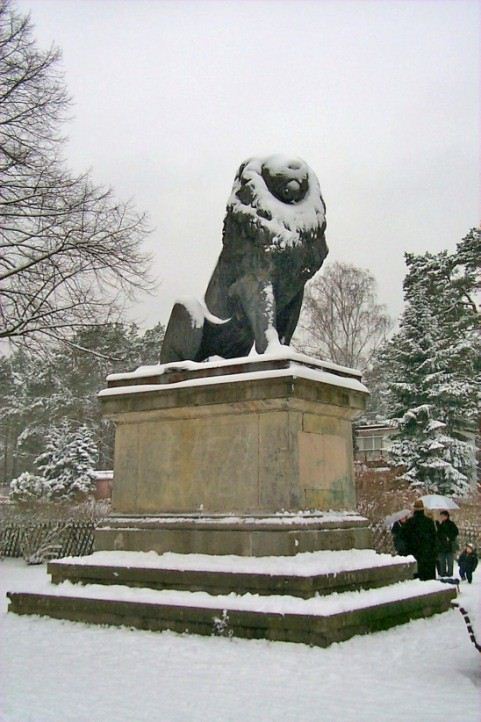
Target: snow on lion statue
273,242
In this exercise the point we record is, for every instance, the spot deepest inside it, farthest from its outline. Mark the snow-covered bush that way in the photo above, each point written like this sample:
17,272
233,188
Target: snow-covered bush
68,463
66,469
28,489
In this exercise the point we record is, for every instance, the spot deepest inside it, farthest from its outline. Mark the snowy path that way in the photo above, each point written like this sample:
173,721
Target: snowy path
54,671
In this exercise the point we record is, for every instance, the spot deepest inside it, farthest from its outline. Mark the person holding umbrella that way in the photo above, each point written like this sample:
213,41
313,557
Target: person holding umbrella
420,536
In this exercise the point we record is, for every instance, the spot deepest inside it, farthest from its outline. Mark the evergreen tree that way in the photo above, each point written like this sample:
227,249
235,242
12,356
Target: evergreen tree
37,392
66,468
27,403
432,369
68,463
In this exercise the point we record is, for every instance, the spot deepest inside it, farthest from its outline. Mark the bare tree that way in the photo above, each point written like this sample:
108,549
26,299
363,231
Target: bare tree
341,320
70,254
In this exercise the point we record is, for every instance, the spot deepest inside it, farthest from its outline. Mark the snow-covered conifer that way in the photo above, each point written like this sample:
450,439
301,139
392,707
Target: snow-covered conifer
432,369
68,463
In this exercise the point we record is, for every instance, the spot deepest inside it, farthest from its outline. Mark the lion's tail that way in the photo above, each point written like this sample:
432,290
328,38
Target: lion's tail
199,312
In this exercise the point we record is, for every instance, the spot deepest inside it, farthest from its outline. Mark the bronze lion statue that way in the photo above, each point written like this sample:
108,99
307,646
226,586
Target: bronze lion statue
273,243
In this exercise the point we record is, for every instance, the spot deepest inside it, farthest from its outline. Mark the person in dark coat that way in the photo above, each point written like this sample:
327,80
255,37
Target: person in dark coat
446,535
420,536
468,561
398,535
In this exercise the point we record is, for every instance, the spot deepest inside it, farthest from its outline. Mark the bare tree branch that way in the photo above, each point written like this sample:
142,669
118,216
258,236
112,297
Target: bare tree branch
70,254
341,319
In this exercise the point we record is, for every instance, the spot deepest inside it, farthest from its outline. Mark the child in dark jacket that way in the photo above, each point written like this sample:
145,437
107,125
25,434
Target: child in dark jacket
468,561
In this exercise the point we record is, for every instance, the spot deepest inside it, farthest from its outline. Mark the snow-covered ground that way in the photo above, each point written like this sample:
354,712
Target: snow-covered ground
55,671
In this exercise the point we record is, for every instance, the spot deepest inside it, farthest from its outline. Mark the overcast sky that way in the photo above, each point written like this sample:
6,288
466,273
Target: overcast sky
380,98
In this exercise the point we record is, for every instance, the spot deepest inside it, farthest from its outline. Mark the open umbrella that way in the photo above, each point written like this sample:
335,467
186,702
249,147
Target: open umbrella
393,518
437,502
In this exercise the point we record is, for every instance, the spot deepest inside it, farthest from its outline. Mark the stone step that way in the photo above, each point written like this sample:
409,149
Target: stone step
244,535
303,576
318,621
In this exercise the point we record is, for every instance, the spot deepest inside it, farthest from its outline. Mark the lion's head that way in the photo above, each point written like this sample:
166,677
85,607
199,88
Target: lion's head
281,196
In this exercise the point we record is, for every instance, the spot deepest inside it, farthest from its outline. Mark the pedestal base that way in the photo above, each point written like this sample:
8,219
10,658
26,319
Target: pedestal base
278,535
241,437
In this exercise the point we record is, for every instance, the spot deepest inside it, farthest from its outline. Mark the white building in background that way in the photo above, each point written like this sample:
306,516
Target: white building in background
372,441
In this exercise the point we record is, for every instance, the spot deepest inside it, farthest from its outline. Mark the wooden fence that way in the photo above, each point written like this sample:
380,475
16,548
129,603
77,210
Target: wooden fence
56,538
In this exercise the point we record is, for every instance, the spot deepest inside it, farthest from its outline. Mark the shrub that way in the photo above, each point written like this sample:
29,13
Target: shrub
28,489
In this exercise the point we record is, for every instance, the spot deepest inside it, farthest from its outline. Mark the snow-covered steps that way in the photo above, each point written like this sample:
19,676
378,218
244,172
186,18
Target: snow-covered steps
303,575
317,598
318,621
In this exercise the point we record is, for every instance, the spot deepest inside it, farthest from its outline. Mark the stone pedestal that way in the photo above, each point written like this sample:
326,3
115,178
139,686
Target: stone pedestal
261,436
249,458
259,536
